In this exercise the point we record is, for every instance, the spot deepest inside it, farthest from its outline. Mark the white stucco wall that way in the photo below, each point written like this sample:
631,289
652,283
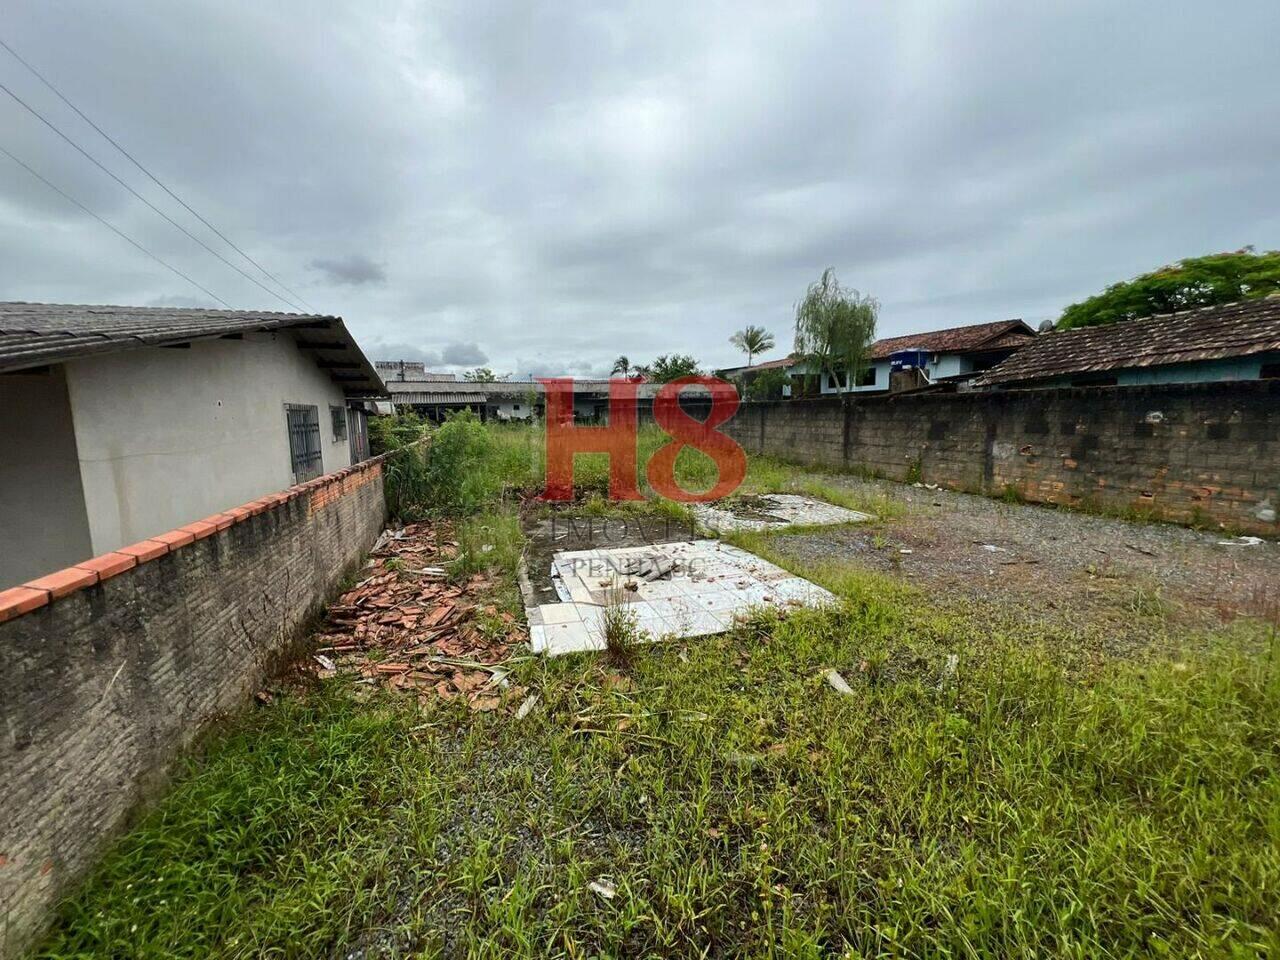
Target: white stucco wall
881,368
513,410
43,526
167,436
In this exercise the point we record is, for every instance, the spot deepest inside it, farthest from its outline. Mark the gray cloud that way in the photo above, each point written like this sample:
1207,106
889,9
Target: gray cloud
354,270
564,183
463,354
392,350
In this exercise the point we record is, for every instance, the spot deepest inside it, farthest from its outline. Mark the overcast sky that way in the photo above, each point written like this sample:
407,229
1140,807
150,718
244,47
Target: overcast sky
543,186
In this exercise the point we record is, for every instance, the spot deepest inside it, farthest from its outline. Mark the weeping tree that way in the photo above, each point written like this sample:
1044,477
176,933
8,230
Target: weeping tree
835,326
752,340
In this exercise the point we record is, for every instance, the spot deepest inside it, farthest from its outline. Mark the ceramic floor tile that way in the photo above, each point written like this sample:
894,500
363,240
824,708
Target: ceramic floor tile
552,613
714,583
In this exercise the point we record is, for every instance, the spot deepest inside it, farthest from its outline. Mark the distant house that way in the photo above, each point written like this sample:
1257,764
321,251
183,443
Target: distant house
410,370
920,359
437,399
126,422
493,399
1236,341
516,399
745,375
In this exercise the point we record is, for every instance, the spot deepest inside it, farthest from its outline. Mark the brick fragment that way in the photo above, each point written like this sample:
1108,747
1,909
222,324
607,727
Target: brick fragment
16,601
175,538
61,582
145,550
109,564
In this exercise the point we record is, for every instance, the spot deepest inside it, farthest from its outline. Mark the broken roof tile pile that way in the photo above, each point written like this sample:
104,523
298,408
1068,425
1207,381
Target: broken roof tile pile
1208,333
976,338
407,627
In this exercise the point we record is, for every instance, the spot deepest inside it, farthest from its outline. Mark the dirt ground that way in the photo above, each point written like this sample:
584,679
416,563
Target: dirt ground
1044,561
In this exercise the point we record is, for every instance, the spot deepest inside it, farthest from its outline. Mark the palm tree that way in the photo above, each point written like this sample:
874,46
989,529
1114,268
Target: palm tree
752,340
622,366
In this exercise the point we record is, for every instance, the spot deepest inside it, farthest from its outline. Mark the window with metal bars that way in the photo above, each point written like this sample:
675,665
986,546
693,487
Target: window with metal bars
304,441
339,417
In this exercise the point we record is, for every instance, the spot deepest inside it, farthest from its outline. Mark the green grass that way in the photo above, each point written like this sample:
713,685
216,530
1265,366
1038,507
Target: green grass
739,806
981,793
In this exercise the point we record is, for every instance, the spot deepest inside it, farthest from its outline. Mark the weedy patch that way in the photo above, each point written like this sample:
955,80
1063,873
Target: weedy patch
620,627
974,788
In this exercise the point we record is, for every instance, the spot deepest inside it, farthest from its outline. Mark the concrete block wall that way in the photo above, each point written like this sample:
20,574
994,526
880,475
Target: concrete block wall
109,668
1183,452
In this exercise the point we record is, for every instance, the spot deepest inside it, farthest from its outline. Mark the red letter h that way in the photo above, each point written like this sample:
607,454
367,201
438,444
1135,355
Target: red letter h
564,439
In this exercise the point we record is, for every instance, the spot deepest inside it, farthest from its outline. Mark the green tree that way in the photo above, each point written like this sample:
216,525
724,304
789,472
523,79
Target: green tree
752,340
834,327
622,367
767,385
670,367
1185,285
481,375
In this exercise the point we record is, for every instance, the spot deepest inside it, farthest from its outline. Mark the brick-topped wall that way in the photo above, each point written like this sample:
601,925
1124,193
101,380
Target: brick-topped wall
109,668
1184,452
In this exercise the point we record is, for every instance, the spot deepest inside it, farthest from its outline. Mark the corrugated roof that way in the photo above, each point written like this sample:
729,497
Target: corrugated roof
1209,333
999,335
436,397
36,334
471,388
765,365
410,392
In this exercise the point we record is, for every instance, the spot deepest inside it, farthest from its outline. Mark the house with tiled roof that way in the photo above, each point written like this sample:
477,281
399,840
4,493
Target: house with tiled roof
936,356
1234,341
126,422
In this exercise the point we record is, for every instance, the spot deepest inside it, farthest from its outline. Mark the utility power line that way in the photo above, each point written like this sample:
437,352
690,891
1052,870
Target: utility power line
113,228
156,180
94,160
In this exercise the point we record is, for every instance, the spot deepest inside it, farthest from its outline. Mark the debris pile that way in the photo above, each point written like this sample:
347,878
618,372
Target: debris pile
406,626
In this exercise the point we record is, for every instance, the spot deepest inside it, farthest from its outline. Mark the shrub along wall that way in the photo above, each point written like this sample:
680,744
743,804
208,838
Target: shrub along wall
1186,452
108,669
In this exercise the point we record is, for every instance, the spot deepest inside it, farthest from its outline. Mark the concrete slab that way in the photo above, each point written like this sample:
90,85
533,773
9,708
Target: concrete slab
710,584
772,511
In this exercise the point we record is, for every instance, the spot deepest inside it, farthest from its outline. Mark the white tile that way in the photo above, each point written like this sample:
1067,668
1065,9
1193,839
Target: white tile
726,582
552,613
571,638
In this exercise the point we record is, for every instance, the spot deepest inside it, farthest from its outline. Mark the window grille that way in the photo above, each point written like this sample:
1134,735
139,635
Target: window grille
304,441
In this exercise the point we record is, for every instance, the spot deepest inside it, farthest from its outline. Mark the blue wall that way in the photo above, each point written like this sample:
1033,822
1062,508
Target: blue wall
1202,371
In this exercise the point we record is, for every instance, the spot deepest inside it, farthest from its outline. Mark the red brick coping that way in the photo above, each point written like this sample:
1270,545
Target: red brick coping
319,492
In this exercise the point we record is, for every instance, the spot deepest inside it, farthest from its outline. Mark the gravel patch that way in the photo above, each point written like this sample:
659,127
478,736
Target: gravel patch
1046,560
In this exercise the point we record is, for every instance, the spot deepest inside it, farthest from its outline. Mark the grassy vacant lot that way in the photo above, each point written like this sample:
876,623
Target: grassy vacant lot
983,792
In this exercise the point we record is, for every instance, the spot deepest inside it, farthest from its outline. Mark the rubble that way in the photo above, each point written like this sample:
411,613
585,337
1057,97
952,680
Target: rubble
773,511
407,627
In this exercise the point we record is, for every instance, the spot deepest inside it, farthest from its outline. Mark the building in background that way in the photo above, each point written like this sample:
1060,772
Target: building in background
402,370
745,376
126,422
1235,341
951,356
436,399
